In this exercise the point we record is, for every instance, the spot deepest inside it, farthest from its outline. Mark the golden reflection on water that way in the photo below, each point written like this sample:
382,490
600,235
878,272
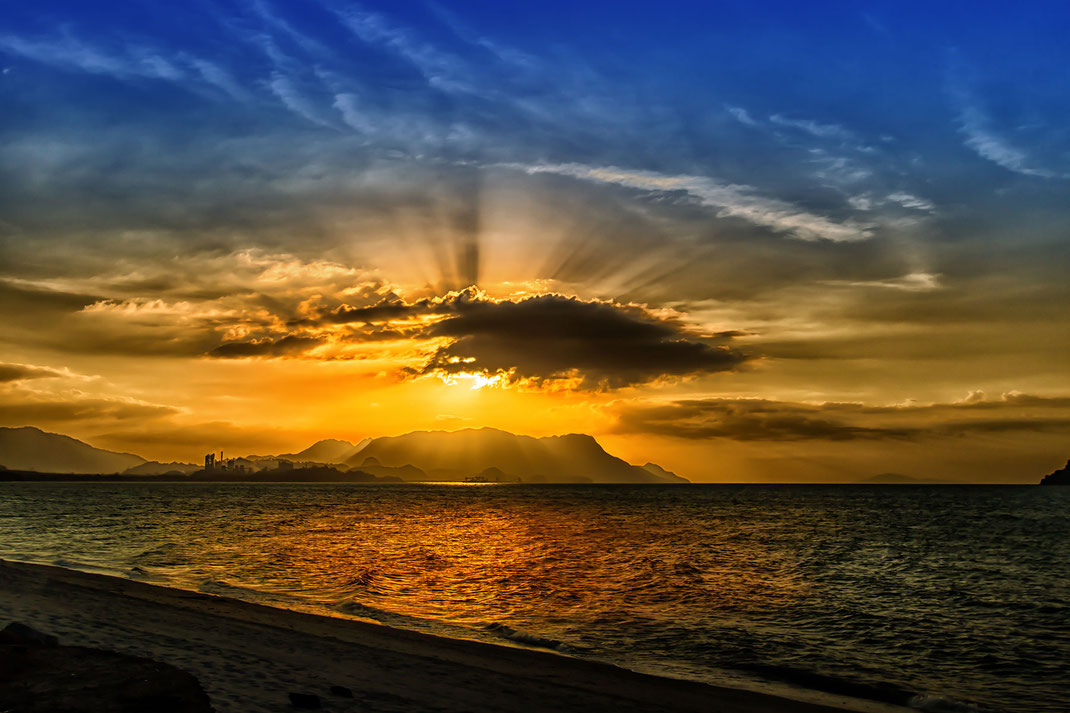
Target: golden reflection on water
465,561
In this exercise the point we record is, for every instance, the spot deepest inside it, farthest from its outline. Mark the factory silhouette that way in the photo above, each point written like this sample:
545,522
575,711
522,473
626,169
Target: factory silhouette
213,464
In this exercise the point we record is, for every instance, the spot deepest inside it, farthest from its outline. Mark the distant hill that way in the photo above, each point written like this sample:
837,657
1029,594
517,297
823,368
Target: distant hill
666,475
29,448
154,467
326,451
900,479
408,473
458,455
1058,477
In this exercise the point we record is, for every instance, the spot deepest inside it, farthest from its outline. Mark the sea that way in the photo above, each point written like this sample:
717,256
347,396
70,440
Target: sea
936,598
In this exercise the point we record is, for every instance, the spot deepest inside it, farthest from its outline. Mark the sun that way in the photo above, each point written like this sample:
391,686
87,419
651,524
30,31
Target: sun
474,380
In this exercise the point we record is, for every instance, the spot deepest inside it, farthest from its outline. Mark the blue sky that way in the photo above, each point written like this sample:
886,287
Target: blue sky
870,197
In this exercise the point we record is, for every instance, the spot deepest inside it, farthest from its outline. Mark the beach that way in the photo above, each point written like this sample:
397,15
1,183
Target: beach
249,657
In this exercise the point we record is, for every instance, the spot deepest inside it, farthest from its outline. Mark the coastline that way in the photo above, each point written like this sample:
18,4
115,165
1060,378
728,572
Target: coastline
249,656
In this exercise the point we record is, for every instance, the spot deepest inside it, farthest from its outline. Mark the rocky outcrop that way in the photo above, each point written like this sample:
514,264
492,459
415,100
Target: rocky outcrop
1059,477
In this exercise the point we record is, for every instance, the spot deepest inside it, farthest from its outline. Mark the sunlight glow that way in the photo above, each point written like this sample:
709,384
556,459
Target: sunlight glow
474,381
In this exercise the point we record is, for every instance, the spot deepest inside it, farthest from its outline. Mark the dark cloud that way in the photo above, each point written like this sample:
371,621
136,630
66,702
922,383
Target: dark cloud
22,372
745,420
288,346
1003,425
765,420
383,311
550,336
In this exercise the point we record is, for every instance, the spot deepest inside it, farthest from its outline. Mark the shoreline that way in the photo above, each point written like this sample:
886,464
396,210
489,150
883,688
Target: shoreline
248,656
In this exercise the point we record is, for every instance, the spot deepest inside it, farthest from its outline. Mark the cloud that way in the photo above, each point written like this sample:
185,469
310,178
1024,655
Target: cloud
730,200
220,78
980,134
439,69
814,128
988,144
741,115
548,338
284,88
912,282
124,62
70,53
31,407
911,201
290,345
554,337
745,419
24,372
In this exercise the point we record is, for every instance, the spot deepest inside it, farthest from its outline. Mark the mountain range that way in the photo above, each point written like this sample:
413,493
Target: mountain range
477,455
30,448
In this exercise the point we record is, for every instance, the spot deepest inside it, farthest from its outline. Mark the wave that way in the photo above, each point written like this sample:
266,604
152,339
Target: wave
363,611
87,567
237,591
522,637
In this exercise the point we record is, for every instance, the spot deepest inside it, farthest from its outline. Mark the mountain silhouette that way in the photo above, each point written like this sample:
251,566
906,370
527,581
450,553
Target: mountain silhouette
29,448
329,450
408,473
155,467
458,455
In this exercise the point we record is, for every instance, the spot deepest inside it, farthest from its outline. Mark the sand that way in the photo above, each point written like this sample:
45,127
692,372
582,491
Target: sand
248,657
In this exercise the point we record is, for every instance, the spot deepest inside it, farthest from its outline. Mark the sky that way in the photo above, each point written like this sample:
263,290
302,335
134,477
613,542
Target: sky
761,241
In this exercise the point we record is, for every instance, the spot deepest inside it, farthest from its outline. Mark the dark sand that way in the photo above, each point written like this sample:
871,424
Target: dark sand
249,657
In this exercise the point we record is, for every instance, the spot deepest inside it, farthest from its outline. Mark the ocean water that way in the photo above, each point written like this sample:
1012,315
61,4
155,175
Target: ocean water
937,598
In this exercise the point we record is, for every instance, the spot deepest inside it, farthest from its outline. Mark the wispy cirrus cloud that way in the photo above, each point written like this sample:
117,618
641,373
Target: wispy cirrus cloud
980,133
812,127
980,136
441,70
126,61
912,282
70,53
728,199
284,87
870,201
220,78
